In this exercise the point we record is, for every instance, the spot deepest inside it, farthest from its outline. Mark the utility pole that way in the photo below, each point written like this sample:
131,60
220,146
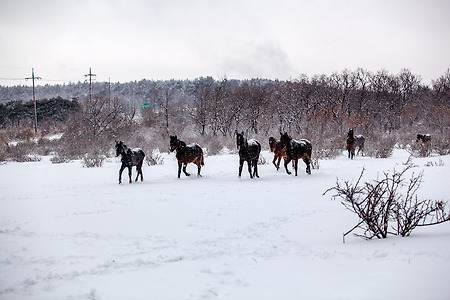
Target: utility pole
90,83
34,98
109,89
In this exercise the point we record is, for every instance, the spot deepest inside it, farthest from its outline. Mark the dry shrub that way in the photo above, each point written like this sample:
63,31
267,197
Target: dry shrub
380,145
389,205
441,145
215,144
155,158
419,149
93,159
22,152
327,147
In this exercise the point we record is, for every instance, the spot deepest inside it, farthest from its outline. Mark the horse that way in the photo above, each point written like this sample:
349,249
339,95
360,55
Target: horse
130,158
296,150
279,152
354,141
192,153
249,151
424,138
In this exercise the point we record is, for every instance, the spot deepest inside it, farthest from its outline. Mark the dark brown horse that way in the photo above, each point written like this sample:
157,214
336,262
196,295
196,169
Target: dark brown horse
130,158
278,150
424,138
296,150
354,141
192,153
249,151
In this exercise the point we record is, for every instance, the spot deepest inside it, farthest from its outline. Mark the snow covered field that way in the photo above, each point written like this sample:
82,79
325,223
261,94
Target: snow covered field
69,232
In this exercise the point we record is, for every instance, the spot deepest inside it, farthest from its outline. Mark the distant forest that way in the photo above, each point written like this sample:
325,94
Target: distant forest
318,108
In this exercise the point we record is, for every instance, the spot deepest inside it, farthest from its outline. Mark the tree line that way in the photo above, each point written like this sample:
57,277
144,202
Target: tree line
21,114
321,108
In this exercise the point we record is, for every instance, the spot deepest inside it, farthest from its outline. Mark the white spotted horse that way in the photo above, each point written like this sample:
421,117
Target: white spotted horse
130,158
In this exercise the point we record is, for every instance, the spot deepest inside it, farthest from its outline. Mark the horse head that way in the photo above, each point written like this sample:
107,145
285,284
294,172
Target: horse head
173,143
240,141
120,148
285,139
272,144
350,133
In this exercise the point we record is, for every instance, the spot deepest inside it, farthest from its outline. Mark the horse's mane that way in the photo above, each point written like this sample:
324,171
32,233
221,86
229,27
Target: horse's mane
181,143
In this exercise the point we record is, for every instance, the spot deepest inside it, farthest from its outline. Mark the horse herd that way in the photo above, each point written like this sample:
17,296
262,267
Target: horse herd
286,147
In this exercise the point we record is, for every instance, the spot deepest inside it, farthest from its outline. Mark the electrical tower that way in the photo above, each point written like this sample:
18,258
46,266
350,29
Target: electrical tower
34,98
90,83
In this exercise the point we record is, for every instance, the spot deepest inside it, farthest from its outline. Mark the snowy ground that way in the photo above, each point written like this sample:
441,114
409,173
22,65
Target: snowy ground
69,232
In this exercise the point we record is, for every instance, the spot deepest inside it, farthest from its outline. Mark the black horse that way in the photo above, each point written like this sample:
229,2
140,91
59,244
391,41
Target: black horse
296,150
354,141
192,153
130,158
248,151
424,138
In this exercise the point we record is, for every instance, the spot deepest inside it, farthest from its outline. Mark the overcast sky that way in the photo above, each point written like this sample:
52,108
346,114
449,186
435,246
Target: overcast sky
127,40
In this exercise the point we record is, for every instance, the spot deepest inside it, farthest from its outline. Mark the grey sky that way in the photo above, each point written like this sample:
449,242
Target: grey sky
128,40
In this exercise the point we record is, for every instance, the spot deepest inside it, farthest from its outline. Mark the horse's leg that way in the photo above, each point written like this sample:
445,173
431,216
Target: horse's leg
360,149
130,168
296,165
120,173
241,164
278,163
139,171
255,168
249,165
275,164
286,162
179,168
184,170
199,167
308,165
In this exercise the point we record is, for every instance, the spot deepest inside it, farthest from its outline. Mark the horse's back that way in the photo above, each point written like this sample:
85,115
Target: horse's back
359,140
196,148
254,145
137,156
301,147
